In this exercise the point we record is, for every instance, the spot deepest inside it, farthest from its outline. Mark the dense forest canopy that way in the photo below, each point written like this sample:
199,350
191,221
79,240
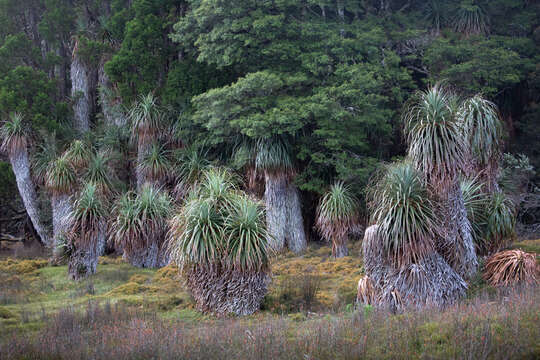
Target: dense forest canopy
329,78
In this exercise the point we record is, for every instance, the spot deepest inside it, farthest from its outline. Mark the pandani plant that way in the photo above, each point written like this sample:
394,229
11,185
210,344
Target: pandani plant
85,238
14,141
220,241
61,181
155,165
439,150
190,166
512,267
147,118
140,225
337,215
471,19
282,199
400,256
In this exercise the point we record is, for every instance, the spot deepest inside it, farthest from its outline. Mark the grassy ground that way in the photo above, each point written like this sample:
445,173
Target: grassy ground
314,290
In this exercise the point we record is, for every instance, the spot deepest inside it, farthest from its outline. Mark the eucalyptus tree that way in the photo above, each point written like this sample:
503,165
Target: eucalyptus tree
14,138
282,199
220,241
337,215
85,239
440,151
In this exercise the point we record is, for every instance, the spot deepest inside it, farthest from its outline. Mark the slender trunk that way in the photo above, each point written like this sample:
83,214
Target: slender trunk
142,149
110,105
457,245
21,168
60,70
294,232
61,208
81,93
339,248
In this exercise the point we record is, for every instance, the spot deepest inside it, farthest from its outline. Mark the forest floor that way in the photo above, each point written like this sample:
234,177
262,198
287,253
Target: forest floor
311,293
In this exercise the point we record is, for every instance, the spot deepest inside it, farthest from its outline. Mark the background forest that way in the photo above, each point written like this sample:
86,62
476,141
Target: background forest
325,80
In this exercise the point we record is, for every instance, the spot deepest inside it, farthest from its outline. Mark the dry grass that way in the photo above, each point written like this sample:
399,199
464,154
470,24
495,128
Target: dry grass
511,267
503,327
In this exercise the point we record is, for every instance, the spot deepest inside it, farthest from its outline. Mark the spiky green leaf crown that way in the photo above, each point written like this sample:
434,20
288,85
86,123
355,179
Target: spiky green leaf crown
13,134
274,157
401,206
146,117
337,212
438,147
78,154
61,176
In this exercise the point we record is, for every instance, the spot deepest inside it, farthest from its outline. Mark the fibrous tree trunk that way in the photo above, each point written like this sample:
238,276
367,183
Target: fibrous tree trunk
61,208
153,254
110,104
21,168
339,247
82,87
456,244
222,291
431,281
142,150
84,259
283,214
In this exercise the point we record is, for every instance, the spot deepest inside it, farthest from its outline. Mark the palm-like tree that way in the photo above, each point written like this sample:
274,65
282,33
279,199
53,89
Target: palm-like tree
219,239
337,214
15,143
85,239
61,181
483,126
140,226
146,118
100,172
471,19
283,208
439,149
400,256
155,165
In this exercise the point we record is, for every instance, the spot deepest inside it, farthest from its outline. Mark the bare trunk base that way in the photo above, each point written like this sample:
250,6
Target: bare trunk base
151,256
227,292
61,208
430,282
284,214
457,245
339,249
83,263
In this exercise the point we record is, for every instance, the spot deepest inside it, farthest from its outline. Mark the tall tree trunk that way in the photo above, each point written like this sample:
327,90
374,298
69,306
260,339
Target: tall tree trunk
142,149
81,92
83,262
284,214
295,235
339,247
21,168
275,196
457,245
110,105
61,208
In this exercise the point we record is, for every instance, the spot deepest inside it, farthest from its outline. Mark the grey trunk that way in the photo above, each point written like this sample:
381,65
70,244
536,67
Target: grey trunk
339,248
154,255
61,208
283,214
81,87
142,150
21,168
456,244
110,104
83,262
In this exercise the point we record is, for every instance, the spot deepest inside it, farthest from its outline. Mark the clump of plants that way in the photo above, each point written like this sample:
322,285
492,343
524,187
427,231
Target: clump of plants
430,223
219,240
